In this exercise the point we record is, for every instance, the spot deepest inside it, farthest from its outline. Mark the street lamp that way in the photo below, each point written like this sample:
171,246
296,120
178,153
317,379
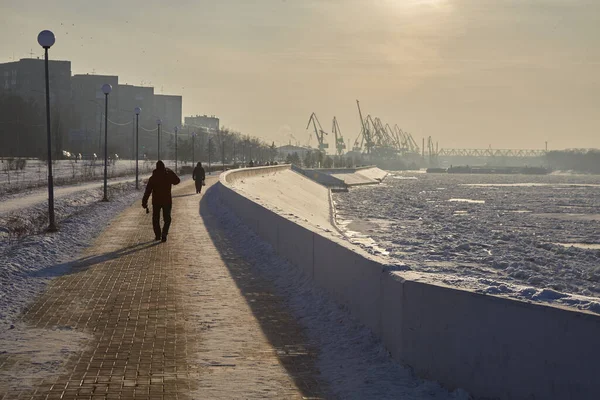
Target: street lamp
46,40
175,149
137,111
106,89
193,146
158,122
209,151
223,150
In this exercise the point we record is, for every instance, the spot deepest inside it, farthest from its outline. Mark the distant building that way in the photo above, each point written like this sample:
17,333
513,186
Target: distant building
77,108
87,132
26,78
203,121
169,109
130,97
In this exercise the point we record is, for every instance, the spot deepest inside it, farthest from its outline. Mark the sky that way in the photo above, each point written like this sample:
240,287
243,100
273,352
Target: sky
468,73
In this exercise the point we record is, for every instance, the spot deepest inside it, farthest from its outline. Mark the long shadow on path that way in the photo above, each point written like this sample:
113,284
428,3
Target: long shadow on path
84,263
282,330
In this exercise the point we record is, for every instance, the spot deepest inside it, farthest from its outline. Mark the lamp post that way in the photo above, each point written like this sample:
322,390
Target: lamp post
175,149
223,150
106,89
158,122
209,150
193,146
137,110
46,40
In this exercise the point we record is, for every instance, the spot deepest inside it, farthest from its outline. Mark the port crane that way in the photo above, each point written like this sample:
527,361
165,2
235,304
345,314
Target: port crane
319,132
340,146
433,151
406,140
364,135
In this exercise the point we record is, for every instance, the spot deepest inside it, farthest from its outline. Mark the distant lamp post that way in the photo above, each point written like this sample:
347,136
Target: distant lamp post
223,150
193,147
158,123
175,149
106,89
46,40
137,146
209,151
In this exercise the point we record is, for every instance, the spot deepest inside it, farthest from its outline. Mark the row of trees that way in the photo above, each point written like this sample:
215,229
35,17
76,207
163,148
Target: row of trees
587,161
23,127
224,145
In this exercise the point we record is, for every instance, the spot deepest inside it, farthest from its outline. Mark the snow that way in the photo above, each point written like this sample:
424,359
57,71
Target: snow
373,173
364,176
64,172
533,238
41,353
290,194
30,259
28,199
351,359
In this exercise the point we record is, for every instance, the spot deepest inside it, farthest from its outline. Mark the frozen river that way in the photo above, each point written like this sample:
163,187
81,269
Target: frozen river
528,237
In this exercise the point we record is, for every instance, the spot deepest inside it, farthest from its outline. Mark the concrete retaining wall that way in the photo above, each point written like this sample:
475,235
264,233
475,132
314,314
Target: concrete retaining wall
344,177
493,347
322,178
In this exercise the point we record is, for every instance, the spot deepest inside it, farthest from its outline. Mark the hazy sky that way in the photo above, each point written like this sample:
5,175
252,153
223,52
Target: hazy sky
469,73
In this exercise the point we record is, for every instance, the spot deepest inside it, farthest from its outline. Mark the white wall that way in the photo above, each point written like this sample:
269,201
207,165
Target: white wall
493,347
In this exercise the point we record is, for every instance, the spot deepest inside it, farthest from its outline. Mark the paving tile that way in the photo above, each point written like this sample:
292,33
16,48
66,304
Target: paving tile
186,319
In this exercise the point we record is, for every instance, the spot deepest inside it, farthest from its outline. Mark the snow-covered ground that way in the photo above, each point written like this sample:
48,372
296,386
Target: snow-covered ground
29,198
352,361
35,173
30,258
529,237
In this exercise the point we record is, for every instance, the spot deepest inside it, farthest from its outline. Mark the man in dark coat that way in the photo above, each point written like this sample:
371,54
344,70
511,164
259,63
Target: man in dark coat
199,175
159,186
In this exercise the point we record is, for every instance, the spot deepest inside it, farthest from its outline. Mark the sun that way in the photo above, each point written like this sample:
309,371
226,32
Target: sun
415,6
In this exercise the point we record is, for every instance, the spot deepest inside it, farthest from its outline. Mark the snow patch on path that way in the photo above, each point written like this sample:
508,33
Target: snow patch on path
39,354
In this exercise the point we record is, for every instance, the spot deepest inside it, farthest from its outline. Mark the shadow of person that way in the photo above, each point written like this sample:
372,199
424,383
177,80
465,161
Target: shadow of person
84,263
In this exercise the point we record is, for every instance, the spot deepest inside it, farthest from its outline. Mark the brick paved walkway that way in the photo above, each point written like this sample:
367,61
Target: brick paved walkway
186,319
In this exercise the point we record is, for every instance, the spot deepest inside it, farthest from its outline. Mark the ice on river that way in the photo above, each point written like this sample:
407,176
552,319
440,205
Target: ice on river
528,237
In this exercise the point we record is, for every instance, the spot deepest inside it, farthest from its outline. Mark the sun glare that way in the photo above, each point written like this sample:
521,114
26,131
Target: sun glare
416,6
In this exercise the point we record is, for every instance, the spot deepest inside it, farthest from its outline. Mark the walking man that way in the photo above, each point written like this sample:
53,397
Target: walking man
159,186
199,175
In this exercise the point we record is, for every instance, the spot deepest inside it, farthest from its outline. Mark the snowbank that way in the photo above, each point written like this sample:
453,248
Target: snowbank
287,192
345,176
66,172
20,201
492,346
361,176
